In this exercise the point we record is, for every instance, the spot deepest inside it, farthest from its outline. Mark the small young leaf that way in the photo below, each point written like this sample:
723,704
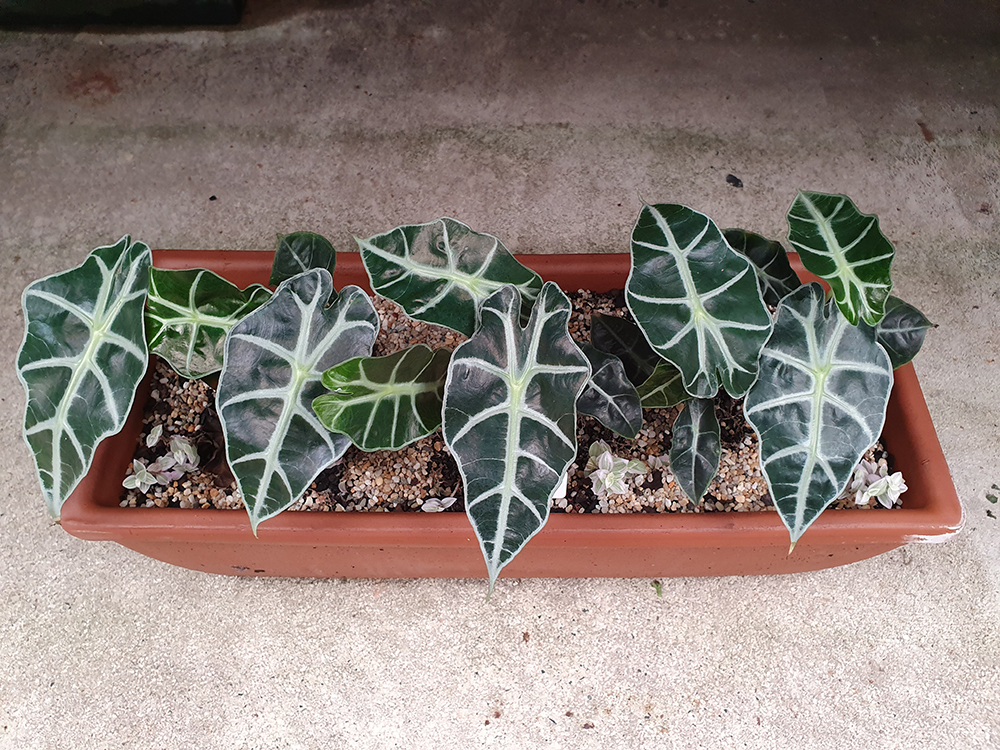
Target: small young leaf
301,251
609,396
441,272
81,360
189,314
774,274
696,448
275,358
696,299
901,332
624,339
510,418
845,247
385,403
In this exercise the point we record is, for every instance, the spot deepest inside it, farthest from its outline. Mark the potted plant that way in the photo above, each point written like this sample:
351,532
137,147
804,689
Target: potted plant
297,386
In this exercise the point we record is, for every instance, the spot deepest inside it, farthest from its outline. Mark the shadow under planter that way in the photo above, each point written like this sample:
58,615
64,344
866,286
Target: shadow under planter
443,545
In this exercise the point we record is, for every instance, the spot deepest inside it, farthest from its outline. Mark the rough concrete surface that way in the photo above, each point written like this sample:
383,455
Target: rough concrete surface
545,123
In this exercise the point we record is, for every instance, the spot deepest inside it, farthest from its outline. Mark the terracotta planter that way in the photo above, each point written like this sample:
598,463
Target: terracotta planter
417,545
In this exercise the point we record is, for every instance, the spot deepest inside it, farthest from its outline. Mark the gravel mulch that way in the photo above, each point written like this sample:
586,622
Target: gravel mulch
397,481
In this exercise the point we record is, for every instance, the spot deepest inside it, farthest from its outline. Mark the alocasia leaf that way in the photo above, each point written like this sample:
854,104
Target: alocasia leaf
665,387
847,249
82,357
385,403
189,314
774,273
510,418
818,405
696,447
301,251
441,272
624,339
696,300
609,396
901,332
274,362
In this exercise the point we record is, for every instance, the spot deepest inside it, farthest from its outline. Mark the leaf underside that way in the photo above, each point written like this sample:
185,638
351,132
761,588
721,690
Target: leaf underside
81,360
696,300
695,448
510,418
385,403
901,332
442,271
274,362
847,249
818,405
299,252
769,260
189,313
609,397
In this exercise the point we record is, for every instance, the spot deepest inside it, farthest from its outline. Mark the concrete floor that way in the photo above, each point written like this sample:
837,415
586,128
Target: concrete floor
542,123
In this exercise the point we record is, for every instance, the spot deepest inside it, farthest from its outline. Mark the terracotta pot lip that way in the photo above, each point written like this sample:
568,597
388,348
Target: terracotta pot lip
938,516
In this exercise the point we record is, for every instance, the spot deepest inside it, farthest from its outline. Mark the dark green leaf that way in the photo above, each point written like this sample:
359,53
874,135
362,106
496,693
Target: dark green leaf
609,396
901,332
774,274
301,251
624,339
696,448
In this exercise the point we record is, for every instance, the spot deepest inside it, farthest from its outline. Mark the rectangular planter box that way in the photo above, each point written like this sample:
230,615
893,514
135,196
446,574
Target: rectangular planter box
442,545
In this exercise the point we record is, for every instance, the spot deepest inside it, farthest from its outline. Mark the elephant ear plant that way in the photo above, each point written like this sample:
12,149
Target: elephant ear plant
297,383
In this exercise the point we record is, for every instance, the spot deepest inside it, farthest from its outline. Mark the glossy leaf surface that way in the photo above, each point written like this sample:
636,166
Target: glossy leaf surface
609,396
81,359
441,272
510,418
385,403
770,261
665,387
818,405
189,313
901,332
847,249
623,338
696,299
274,362
696,447
299,252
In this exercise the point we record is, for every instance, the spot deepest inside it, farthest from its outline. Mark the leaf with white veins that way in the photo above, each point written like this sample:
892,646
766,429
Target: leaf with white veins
274,363
81,360
301,251
664,388
696,300
769,260
385,403
847,249
189,313
510,418
609,396
901,332
696,447
441,272
818,405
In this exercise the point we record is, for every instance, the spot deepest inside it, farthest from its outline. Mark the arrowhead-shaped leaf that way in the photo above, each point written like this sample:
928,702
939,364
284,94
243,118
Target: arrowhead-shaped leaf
818,405
624,339
696,300
441,272
275,358
189,314
901,332
770,261
847,249
82,357
385,403
510,418
609,396
696,447
301,251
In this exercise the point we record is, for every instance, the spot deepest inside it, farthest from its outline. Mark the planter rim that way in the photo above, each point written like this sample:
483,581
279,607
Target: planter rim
932,513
